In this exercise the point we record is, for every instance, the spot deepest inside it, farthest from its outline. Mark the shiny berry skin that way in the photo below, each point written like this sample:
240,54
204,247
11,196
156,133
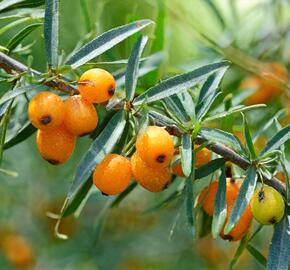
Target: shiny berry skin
80,116
46,110
152,179
55,145
97,85
112,176
155,146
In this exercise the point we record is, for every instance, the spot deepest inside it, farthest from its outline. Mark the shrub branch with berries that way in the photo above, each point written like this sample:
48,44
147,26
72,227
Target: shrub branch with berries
153,138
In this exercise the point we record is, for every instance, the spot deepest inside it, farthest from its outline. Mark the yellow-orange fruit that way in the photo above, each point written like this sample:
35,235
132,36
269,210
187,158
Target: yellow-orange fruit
46,110
202,157
17,250
155,146
55,145
207,198
80,116
112,176
152,179
280,176
269,84
97,85
177,170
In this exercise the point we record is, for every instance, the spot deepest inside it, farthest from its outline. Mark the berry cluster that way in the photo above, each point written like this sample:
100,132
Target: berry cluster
150,165
266,206
60,122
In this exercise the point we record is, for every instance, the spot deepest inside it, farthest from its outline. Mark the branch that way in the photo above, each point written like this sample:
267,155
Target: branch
10,64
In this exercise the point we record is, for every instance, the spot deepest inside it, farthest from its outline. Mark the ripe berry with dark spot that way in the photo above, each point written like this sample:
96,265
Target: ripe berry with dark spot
97,85
46,110
155,146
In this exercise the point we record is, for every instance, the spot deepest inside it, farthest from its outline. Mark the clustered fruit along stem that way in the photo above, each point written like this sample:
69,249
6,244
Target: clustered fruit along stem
9,65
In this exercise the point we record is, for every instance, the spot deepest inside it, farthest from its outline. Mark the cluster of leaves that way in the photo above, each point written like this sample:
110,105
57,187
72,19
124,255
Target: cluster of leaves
184,102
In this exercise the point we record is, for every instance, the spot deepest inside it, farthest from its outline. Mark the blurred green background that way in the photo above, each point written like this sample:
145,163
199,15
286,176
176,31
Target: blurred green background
131,239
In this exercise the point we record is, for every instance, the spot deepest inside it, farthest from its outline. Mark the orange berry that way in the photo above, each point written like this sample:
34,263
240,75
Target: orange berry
154,180
55,145
280,176
155,146
46,110
80,116
112,176
242,226
177,170
202,157
268,85
97,85
17,250
207,198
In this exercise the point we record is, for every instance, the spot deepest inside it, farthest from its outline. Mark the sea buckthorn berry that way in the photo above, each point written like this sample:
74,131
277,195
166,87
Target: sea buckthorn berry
80,116
155,146
17,250
97,85
177,169
152,179
55,145
268,84
207,198
46,110
267,205
112,176
202,157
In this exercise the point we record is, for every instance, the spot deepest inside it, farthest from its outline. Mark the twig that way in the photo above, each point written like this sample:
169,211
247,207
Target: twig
227,153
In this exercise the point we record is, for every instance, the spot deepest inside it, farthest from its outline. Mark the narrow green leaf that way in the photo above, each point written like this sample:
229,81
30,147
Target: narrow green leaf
102,146
133,67
248,139
186,154
220,206
21,90
16,4
190,202
86,14
239,252
219,136
25,132
51,22
279,251
123,195
233,110
206,105
76,201
216,12
178,83
162,118
208,89
105,42
3,108
209,168
13,24
23,33
257,255
280,114
181,106
277,140
3,129
245,194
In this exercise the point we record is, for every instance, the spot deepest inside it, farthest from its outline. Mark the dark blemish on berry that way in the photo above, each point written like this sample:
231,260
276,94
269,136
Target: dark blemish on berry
261,196
105,194
161,158
46,119
111,90
273,220
53,161
228,237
